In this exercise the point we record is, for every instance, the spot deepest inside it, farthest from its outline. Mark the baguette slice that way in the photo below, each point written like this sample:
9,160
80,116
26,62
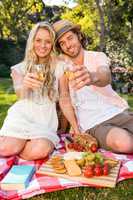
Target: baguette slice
72,168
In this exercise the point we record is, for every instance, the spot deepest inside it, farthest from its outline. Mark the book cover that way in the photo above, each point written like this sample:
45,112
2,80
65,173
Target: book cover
5,165
18,177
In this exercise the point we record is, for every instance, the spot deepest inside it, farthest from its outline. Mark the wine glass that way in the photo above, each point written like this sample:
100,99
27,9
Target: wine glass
70,75
39,71
38,94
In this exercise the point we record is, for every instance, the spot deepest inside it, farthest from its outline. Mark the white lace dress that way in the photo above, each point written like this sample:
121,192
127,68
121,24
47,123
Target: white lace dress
27,119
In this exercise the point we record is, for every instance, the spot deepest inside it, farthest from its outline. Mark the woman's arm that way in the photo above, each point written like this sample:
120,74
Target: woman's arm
65,103
17,79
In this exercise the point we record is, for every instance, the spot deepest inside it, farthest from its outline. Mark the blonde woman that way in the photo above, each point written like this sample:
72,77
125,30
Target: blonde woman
29,129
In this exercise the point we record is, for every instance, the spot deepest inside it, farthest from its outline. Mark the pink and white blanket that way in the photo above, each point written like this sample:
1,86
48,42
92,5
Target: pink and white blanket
43,184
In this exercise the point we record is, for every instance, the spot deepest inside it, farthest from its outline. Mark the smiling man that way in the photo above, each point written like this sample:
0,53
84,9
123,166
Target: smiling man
99,110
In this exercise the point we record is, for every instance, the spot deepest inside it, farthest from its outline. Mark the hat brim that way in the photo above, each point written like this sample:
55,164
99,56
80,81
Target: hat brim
74,27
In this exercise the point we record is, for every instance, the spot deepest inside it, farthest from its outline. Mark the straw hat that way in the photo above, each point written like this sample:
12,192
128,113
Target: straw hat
63,26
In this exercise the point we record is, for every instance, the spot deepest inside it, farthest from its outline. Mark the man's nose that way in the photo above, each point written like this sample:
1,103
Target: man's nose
68,45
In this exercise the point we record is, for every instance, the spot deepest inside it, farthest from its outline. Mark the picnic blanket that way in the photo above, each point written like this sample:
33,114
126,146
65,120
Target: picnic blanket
43,184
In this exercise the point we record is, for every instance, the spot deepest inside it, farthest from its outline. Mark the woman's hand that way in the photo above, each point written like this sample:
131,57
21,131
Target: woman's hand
31,81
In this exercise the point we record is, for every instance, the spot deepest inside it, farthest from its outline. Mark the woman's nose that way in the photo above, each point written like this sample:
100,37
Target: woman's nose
43,44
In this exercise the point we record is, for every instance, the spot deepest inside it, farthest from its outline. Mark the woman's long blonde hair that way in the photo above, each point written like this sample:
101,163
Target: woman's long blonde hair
31,59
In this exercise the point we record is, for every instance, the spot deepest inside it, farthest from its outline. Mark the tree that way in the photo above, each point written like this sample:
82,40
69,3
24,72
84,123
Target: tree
85,14
100,7
119,33
15,18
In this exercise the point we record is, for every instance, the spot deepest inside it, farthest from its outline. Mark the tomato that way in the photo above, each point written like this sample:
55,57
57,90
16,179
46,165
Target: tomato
98,171
105,169
75,146
98,165
70,145
83,149
106,165
89,167
79,148
88,172
93,148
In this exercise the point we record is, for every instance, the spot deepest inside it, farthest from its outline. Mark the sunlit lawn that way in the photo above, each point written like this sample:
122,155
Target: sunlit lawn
123,191
129,99
7,97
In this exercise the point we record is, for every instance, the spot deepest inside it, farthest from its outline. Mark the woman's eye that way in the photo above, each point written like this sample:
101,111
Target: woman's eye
48,42
38,40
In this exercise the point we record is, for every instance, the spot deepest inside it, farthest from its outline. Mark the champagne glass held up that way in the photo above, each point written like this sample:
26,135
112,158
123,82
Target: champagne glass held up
74,93
38,69
70,76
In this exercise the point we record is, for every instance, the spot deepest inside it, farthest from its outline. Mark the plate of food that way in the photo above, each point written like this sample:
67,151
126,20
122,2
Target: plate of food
81,142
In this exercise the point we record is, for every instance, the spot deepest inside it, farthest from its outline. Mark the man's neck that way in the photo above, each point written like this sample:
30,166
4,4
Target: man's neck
79,60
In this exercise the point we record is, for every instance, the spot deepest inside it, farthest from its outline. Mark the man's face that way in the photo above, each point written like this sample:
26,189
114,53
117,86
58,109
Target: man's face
70,44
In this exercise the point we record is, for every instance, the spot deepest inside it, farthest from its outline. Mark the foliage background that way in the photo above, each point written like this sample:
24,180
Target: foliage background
107,25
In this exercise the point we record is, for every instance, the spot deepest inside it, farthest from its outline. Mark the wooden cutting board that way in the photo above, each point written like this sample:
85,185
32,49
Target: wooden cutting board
102,181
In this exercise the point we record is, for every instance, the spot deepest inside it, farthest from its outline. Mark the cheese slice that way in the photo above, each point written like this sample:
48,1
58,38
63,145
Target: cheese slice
72,168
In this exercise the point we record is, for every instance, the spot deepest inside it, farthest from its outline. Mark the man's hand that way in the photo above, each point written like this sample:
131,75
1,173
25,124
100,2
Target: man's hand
31,81
81,77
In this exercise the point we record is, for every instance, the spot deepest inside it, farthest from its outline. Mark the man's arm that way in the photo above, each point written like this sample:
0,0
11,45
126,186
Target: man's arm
101,77
65,104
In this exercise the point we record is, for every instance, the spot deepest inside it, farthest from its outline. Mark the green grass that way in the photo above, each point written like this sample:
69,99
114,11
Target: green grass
123,190
7,97
129,99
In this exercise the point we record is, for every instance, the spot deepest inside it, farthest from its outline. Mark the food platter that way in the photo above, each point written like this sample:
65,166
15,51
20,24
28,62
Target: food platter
53,168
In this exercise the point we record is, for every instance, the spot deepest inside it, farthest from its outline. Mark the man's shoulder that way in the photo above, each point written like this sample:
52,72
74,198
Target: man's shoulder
95,53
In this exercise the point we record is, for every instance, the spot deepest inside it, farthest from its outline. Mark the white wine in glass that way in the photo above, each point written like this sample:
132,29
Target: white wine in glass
39,71
38,96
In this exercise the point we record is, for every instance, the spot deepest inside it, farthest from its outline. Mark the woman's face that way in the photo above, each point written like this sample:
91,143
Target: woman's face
42,43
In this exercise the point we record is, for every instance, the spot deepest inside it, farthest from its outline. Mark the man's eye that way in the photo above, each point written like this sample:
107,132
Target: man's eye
61,44
71,37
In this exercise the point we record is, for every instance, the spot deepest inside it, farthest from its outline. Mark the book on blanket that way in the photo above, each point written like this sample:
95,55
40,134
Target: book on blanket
18,177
